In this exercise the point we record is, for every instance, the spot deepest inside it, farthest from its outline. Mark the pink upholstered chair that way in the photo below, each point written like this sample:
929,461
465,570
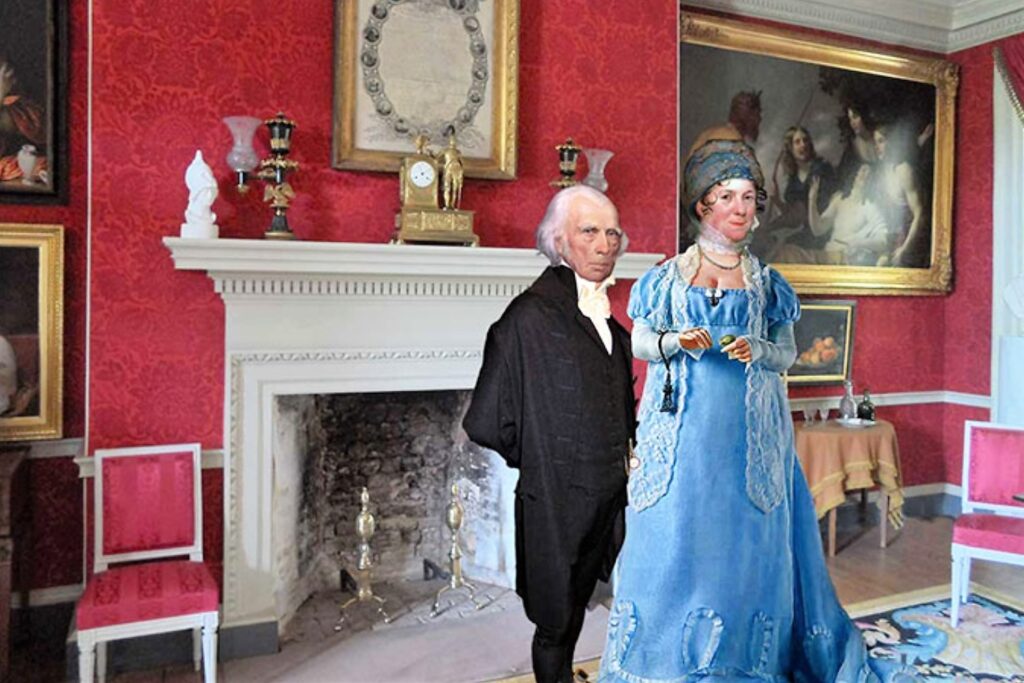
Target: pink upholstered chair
991,523
148,514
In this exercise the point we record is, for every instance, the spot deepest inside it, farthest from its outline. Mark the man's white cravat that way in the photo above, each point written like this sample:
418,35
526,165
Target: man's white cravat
593,303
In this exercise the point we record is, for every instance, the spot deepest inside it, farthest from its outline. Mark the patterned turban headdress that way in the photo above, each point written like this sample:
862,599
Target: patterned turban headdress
715,161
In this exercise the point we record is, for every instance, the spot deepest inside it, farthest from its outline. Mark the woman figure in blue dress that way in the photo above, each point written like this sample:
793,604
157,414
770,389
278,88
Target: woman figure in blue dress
722,576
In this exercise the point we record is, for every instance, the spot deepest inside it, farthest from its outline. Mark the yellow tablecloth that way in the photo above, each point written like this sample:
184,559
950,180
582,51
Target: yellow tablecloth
836,459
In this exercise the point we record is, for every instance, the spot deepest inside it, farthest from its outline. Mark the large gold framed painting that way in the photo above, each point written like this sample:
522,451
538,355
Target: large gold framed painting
856,147
437,68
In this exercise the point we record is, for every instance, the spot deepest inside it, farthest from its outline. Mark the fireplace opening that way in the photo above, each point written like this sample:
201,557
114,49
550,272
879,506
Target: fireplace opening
406,448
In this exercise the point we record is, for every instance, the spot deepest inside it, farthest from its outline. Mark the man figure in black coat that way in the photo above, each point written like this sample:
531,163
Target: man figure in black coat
555,399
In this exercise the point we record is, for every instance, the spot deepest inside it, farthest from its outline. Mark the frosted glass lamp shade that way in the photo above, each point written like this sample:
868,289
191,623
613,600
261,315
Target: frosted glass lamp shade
242,158
597,159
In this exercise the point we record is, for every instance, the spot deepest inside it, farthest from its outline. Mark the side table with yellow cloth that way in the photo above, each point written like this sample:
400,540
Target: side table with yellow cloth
836,459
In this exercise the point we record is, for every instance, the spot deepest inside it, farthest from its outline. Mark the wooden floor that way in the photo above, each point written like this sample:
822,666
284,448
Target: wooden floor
917,557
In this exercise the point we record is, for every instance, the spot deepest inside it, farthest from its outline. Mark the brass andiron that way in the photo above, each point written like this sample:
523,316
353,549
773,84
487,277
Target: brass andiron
274,170
365,527
456,581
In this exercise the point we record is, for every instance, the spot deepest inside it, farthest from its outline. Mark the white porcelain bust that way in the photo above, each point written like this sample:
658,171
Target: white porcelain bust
200,221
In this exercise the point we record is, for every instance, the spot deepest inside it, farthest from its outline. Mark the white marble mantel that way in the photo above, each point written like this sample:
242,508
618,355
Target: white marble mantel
329,317
227,258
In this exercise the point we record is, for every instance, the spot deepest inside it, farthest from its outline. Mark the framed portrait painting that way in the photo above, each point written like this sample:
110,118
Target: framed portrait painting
405,68
33,101
31,331
856,146
824,342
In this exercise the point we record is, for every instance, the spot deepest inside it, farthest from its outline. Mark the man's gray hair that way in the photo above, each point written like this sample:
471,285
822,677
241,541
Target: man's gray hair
556,220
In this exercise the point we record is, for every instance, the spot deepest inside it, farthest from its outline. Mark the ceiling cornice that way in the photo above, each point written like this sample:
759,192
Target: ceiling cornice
968,33
941,26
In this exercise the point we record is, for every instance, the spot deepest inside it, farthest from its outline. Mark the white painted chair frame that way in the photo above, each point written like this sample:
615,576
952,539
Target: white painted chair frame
960,586
203,625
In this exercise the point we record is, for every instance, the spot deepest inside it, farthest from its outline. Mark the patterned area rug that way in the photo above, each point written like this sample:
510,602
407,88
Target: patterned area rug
913,630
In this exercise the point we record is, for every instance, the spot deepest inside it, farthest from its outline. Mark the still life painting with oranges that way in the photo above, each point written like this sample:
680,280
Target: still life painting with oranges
824,341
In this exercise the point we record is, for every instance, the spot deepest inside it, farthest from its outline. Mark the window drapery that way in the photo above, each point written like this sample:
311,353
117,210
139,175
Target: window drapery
1009,58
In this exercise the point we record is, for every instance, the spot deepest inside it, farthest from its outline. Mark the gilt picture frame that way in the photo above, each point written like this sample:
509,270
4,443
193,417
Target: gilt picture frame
879,127
824,342
31,331
33,102
431,68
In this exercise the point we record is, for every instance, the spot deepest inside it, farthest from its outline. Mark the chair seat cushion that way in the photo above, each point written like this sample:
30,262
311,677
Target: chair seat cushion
146,591
994,532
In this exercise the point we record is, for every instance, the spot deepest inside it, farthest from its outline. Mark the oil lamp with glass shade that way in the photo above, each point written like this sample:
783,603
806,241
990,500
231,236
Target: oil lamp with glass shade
273,170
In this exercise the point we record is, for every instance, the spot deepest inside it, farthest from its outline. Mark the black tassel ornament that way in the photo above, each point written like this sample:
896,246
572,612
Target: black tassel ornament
668,403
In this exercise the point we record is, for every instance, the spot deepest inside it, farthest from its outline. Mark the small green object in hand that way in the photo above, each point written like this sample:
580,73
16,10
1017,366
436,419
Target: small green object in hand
726,340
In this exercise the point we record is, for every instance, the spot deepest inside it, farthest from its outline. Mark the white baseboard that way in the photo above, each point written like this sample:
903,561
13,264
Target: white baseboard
902,398
210,459
59,448
55,595
972,400
932,489
923,490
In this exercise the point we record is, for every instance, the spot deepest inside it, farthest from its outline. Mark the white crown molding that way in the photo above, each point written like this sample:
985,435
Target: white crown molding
999,27
849,19
941,26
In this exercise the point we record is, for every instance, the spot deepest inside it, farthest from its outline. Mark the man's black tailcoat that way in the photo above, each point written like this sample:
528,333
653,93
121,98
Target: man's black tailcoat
556,405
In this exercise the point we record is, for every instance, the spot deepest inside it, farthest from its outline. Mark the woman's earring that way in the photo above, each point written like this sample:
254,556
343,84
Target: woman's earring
755,225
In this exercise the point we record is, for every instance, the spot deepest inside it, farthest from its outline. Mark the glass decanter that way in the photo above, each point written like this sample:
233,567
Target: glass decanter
847,405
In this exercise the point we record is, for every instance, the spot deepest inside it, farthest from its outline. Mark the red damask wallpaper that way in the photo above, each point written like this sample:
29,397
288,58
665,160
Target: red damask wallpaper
164,75
968,317
56,541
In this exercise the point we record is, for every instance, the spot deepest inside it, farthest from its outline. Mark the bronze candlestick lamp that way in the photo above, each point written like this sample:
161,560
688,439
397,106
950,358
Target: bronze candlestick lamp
568,156
273,170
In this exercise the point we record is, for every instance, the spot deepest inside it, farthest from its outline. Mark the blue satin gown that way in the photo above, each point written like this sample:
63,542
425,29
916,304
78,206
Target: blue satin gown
708,586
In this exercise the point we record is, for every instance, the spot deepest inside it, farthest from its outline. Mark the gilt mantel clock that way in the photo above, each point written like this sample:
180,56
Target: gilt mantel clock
421,218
